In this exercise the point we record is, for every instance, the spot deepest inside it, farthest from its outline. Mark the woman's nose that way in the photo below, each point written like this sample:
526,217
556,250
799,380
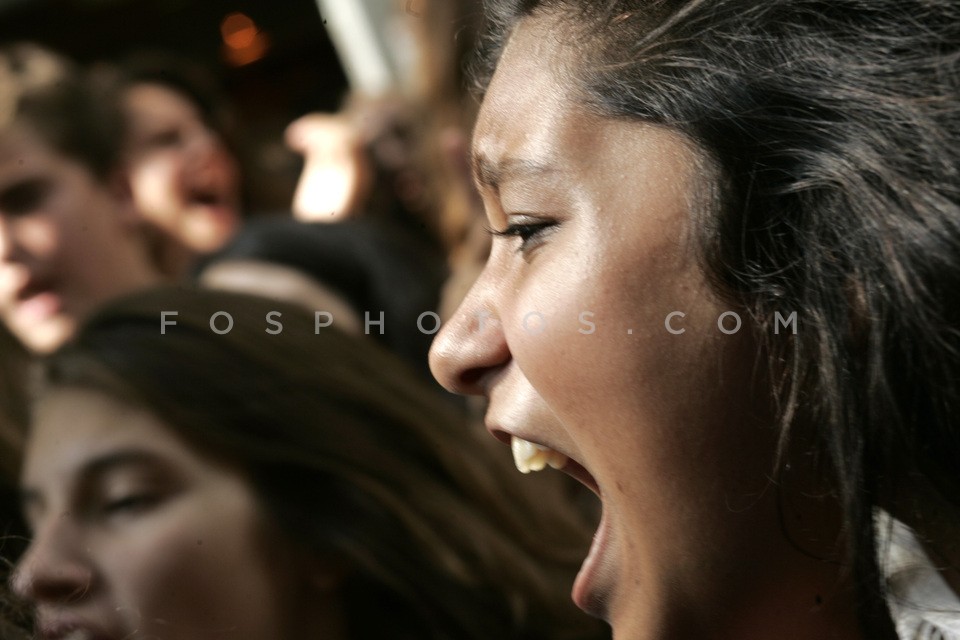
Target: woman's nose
54,569
471,346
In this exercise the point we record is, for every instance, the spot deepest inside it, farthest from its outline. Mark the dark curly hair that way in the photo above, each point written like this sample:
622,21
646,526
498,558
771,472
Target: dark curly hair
833,132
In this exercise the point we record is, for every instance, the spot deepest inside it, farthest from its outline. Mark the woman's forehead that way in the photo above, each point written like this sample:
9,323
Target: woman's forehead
73,426
528,102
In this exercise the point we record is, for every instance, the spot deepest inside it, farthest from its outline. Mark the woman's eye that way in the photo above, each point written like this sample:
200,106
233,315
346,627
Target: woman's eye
164,139
133,503
25,197
530,233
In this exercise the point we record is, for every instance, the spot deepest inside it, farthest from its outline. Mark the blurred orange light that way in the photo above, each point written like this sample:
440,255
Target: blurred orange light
238,31
243,42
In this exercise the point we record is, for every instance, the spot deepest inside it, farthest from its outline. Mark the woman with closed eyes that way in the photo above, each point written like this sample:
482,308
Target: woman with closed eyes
233,473
754,205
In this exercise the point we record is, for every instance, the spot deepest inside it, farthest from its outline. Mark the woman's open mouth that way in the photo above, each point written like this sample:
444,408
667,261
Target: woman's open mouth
589,590
209,198
37,302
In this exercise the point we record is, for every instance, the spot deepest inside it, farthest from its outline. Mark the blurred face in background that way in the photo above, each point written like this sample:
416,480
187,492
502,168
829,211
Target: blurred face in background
68,241
184,179
138,535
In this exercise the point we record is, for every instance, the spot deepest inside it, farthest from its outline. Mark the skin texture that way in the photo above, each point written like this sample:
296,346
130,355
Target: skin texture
136,535
184,180
673,430
68,241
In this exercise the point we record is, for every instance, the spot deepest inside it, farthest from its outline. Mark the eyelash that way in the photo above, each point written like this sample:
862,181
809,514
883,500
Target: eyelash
132,503
528,232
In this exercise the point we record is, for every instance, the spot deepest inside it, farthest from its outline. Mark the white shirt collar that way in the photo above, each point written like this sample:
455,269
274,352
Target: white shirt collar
922,604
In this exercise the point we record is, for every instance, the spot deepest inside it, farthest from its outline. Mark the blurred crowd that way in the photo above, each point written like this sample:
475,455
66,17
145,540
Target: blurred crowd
158,479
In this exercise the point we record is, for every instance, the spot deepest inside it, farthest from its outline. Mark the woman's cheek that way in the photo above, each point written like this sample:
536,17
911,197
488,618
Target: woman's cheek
169,570
156,183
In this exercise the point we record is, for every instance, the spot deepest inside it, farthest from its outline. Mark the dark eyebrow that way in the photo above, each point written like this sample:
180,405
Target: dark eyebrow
96,468
489,173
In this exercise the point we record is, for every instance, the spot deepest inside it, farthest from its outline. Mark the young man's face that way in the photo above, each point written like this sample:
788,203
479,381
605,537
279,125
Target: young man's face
67,241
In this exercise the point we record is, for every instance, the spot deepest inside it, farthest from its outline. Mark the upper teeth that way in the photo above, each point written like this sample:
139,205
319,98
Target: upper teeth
529,456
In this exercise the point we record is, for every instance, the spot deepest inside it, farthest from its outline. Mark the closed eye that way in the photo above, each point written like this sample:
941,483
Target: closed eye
130,504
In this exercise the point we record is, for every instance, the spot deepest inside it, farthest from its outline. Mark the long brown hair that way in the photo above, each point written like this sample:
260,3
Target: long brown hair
353,456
